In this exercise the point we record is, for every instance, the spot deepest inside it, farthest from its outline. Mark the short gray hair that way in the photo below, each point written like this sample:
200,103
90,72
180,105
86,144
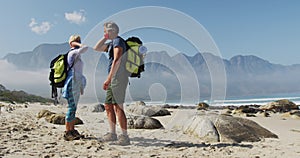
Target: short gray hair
111,26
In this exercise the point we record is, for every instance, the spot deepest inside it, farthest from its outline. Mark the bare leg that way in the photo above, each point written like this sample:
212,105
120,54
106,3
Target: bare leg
70,125
121,117
111,117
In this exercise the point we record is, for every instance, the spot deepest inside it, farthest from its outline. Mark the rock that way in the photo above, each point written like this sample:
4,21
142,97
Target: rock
202,128
98,108
143,122
283,105
140,109
224,128
247,111
54,118
1,105
295,113
167,106
140,103
263,113
44,113
292,114
202,106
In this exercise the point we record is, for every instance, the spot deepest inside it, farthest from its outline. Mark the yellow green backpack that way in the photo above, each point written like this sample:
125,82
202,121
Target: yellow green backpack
135,53
59,68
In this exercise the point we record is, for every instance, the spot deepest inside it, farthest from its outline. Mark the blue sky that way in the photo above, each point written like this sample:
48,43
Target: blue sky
269,29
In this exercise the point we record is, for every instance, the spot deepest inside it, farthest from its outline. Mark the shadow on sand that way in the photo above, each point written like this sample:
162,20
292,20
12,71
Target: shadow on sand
145,142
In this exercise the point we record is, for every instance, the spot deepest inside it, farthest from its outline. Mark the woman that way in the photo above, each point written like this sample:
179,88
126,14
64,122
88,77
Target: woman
74,85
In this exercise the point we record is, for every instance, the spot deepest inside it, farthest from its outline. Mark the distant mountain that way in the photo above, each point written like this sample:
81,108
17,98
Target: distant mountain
40,57
244,75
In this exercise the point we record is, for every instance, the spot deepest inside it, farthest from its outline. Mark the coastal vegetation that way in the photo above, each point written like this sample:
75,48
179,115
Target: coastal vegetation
20,96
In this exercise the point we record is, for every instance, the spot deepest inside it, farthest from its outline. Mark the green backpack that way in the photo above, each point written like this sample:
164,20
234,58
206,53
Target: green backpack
135,58
59,68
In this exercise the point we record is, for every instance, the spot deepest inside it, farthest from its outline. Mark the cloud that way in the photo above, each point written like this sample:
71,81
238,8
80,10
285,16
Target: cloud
34,82
76,17
41,28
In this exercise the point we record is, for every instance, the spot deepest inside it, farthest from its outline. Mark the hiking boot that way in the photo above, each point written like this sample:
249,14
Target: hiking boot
76,134
68,136
123,140
109,137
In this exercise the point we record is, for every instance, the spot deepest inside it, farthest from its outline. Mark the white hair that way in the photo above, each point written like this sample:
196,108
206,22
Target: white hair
111,26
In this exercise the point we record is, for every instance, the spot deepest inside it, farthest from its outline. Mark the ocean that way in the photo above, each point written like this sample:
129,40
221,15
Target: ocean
236,101
256,100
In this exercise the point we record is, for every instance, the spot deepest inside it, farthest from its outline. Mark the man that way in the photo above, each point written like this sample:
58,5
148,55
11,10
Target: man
116,82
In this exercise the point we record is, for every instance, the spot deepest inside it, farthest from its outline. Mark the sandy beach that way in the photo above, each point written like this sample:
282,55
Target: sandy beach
24,135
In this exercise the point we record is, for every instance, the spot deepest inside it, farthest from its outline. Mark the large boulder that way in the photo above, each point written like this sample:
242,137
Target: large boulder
44,113
283,105
202,106
98,108
143,122
225,128
140,108
54,118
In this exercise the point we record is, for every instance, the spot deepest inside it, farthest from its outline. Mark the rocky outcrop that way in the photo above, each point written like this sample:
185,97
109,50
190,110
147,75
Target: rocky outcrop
279,106
283,105
54,118
225,128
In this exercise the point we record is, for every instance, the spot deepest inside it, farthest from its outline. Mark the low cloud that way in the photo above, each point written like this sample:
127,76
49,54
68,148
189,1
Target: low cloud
76,17
34,82
37,82
39,28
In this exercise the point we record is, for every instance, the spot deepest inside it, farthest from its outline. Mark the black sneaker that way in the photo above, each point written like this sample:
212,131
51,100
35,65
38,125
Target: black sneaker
68,136
76,134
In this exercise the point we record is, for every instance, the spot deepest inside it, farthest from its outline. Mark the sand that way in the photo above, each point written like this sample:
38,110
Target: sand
24,135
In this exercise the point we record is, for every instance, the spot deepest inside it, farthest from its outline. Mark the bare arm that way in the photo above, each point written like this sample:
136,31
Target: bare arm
114,67
83,48
101,46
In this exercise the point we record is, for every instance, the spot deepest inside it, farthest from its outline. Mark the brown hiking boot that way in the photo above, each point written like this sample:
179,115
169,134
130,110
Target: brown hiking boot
68,136
123,140
76,134
109,137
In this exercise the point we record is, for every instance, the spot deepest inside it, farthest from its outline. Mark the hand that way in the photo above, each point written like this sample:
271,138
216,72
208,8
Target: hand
81,91
76,44
106,36
106,84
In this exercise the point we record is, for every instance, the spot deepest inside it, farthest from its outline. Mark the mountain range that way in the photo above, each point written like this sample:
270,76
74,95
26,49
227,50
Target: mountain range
171,76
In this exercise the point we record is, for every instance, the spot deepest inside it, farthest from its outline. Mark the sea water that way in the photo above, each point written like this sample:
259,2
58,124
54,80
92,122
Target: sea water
256,100
235,101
